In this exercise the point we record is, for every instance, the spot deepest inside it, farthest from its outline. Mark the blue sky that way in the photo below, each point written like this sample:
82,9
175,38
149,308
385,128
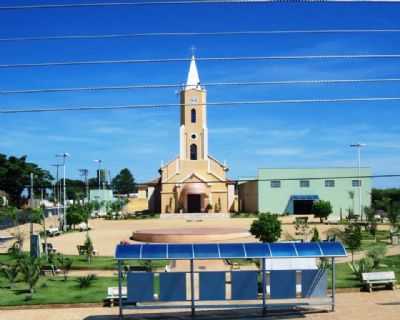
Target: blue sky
297,135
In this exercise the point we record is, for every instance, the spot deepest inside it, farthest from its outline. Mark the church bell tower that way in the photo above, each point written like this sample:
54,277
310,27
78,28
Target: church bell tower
193,127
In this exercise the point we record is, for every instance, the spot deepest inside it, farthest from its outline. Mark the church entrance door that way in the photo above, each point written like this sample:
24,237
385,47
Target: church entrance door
194,203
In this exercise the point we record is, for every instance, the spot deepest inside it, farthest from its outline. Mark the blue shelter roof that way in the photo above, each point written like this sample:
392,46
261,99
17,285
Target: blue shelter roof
196,251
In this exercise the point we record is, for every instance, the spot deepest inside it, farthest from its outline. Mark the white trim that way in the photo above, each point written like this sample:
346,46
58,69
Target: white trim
191,175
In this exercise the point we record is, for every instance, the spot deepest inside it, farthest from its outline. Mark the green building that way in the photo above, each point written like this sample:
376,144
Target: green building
293,190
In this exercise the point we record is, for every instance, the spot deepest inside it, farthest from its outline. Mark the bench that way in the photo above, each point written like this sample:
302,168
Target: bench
387,278
113,296
82,250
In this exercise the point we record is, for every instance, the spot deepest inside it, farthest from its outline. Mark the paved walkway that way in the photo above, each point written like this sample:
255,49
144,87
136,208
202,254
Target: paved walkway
355,306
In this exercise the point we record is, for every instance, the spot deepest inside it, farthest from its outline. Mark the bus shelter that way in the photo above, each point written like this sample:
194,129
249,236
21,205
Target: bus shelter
208,289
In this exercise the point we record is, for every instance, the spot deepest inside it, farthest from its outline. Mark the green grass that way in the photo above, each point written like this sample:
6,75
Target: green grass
346,279
97,263
55,291
244,215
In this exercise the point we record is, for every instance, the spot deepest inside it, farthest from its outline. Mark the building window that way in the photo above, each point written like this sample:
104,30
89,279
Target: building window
329,183
194,136
193,152
356,183
304,183
275,184
193,115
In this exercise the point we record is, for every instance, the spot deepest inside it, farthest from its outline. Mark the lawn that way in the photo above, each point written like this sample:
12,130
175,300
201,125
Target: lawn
97,263
55,290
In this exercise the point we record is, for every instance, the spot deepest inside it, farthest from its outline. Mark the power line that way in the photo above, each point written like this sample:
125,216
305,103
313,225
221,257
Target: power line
193,34
170,105
169,60
377,176
207,84
152,3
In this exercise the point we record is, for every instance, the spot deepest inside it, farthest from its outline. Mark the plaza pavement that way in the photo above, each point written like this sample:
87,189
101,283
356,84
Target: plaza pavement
383,305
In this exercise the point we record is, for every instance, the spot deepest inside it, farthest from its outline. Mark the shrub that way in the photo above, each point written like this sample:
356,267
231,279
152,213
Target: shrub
89,248
352,238
363,265
86,281
266,228
377,253
321,209
315,236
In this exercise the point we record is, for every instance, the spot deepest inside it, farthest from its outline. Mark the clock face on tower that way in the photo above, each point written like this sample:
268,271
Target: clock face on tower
193,100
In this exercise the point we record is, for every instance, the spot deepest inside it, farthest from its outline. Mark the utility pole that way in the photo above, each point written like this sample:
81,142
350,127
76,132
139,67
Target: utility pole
64,156
84,173
58,195
99,161
32,206
359,146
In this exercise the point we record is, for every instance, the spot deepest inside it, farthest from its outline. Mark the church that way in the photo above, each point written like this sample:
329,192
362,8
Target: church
193,182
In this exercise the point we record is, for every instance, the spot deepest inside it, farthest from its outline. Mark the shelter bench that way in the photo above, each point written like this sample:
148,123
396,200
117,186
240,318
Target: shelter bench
371,279
113,296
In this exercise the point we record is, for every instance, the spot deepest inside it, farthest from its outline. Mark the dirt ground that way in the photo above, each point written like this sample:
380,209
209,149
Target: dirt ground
355,306
106,234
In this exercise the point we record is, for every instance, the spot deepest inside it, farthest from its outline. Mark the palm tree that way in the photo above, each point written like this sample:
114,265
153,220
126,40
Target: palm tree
30,270
10,272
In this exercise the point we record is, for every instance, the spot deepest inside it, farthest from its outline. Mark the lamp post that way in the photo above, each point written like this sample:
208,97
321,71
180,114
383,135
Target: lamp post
359,146
64,156
57,192
98,171
84,173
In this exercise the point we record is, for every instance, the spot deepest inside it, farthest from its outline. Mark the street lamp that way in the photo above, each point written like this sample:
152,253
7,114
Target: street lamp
98,172
359,146
64,156
57,191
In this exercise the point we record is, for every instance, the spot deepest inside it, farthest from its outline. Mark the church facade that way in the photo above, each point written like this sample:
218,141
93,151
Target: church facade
194,181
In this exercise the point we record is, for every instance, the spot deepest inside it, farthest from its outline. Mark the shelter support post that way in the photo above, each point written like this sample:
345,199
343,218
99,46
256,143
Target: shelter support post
193,308
264,287
333,283
120,289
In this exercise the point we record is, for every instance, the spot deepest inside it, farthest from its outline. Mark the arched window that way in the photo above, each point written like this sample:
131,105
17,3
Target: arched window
193,115
193,152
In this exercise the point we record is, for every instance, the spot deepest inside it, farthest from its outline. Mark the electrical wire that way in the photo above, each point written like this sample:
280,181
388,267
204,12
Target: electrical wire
207,84
236,181
168,60
170,105
192,34
152,3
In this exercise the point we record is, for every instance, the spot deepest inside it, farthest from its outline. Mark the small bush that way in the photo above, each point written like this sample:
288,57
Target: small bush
86,281
267,228
377,253
364,265
315,236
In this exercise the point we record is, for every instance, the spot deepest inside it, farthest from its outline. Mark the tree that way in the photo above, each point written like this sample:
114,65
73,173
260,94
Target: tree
30,270
77,214
377,253
372,223
315,236
321,209
89,248
65,264
266,228
10,272
15,176
124,182
352,238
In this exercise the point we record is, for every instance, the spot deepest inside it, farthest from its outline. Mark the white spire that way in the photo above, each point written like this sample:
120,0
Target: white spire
193,80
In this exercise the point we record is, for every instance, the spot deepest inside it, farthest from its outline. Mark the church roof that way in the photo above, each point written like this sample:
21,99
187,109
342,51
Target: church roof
193,80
